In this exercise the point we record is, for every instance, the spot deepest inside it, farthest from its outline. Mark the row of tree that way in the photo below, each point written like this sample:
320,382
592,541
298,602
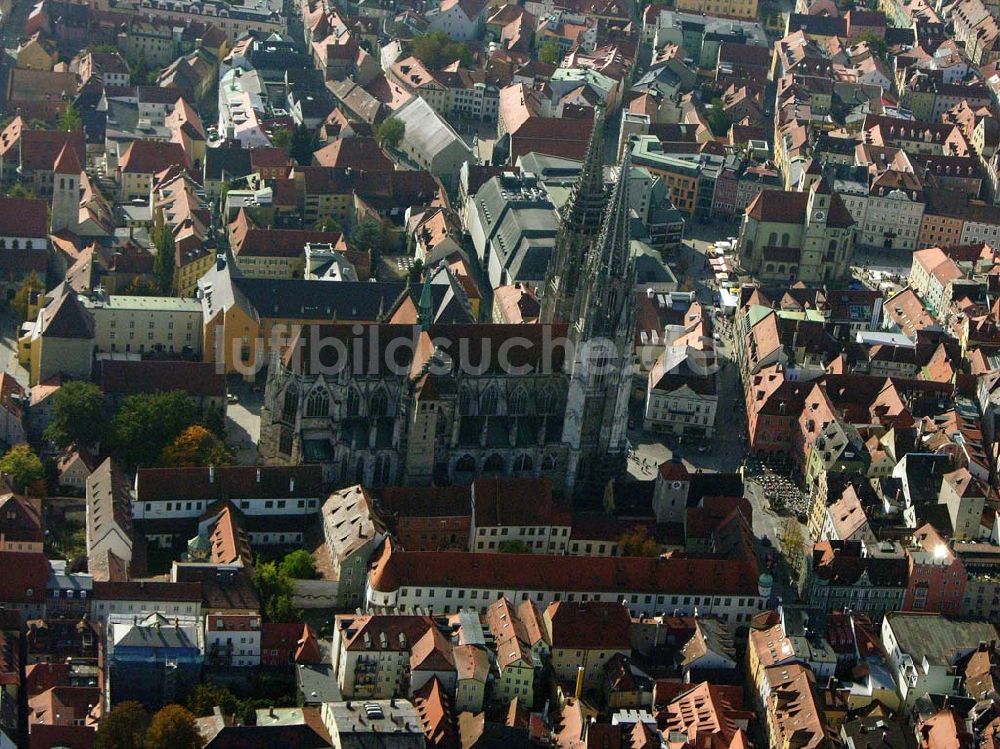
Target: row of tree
166,429
128,726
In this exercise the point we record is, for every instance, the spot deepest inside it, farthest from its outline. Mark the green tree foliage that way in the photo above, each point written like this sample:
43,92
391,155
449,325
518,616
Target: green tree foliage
173,727
77,415
328,223
390,133
370,236
302,144
147,423
718,120
275,589
416,271
25,292
165,260
23,466
196,446
141,287
123,727
876,44
435,50
204,698
281,138
637,543
550,52
18,191
70,120
299,565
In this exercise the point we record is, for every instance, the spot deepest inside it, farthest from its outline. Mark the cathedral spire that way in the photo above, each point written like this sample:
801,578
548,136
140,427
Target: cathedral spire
581,223
609,265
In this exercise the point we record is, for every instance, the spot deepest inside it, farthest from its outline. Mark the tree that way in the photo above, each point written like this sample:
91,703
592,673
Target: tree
416,271
275,590
141,287
23,466
717,118
123,727
164,262
637,543
877,44
328,223
173,727
77,415
514,547
792,546
390,133
147,423
369,236
31,286
299,565
435,50
302,144
70,120
204,698
550,52
18,191
196,446
281,137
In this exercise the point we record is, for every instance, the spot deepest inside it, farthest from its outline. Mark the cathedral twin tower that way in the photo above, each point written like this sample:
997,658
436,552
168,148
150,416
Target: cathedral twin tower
589,287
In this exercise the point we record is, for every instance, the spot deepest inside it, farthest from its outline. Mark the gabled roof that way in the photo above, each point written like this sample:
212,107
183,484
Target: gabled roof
67,318
67,162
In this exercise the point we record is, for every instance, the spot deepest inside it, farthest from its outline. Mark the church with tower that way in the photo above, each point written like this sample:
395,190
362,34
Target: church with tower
406,400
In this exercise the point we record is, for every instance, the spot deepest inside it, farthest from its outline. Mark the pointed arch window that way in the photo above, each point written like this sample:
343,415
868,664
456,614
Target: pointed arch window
489,402
383,470
378,404
291,403
318,403
548,401
353,402
464,401
518,403
493,464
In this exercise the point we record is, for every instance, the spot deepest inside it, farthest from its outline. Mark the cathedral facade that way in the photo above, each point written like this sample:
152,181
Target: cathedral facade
385,403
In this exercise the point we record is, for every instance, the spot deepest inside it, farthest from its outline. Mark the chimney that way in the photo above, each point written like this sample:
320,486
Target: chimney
258,475
211,474
579,682
291,485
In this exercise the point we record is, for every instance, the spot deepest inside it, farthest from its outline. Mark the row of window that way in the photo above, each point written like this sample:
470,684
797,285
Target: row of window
648,599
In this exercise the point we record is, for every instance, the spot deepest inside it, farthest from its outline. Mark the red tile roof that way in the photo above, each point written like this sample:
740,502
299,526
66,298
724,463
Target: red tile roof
229,482
588,625
287,243
395,569
151,376
151,157
516,501
24,217
25,575
146,590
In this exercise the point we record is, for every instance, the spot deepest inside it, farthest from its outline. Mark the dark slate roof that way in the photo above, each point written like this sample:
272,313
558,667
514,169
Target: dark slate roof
163,636
300,299
227,160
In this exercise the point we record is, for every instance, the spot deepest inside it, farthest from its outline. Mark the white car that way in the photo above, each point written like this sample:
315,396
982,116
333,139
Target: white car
231,398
